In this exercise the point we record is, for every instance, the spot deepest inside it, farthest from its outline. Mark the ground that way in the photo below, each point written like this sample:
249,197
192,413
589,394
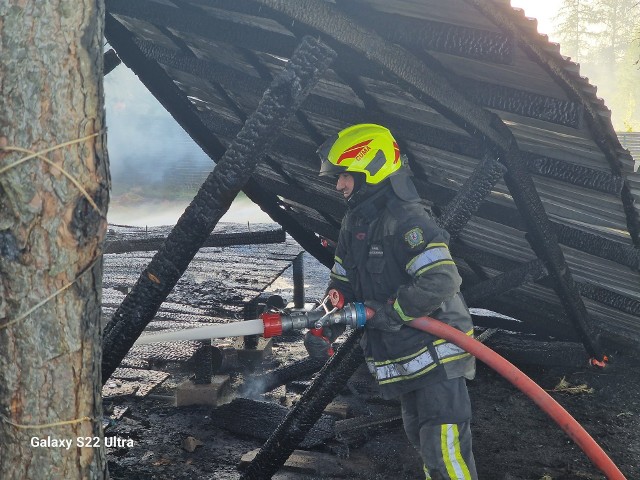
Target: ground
513,439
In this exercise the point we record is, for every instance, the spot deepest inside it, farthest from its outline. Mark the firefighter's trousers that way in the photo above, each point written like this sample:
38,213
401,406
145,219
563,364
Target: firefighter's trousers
437,422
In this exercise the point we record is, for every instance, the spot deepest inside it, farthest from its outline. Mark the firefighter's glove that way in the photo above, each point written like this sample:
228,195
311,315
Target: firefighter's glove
385,318
320,346
317,347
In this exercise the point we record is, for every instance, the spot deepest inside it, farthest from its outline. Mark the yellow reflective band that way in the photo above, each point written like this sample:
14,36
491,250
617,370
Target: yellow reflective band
339,269
417,364
398,309
408,377
339,277
468,333
457,357
338,259
433,265
426,472
402,359
428,256
450,445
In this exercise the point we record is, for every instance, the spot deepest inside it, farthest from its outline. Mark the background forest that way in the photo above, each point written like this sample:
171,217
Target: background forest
603,36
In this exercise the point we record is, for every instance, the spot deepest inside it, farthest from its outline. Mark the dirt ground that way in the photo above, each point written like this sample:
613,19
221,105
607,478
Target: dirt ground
513,439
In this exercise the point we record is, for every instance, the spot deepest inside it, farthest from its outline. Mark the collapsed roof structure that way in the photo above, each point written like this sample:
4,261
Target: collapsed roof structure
509,145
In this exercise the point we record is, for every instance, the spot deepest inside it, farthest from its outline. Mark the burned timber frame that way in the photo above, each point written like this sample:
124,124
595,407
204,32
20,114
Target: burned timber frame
492,152
405,63
260,31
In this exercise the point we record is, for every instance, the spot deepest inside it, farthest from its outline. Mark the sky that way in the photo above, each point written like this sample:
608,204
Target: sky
147,146
542,10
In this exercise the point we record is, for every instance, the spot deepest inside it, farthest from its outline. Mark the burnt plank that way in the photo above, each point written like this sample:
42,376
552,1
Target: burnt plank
527,350
132,381
259,419
214,240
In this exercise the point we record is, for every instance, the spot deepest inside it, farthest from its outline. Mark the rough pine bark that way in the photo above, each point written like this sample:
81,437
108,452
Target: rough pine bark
51,236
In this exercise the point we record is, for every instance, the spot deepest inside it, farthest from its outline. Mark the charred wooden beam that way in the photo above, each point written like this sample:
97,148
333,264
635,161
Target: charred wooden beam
259,419
596,245
610,298
213,240
475,189
306,412
504,282
573,174
203,363
527,350
520,102
111,61
213,199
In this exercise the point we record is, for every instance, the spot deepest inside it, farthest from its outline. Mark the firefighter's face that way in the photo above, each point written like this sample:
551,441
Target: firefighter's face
345,184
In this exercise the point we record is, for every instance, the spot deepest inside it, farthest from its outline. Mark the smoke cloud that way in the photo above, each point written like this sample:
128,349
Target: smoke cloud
156,168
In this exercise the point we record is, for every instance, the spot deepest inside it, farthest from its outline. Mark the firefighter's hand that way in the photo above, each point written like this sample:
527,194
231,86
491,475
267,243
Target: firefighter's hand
385,318
317,347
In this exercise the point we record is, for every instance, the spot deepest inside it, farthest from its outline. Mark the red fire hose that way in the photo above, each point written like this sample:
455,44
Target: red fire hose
541,398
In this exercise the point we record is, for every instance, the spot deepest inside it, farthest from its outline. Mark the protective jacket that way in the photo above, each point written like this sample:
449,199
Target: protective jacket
390,250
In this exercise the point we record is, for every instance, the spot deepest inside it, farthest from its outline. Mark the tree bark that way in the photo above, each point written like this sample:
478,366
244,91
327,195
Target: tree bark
52,227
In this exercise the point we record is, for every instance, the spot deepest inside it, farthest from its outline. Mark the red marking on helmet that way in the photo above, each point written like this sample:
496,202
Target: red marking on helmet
354,150
396,151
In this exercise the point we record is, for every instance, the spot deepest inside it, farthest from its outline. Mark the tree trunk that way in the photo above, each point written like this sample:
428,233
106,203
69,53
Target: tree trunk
52,229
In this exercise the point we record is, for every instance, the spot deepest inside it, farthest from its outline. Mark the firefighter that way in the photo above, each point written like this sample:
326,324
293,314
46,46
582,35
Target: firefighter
393,257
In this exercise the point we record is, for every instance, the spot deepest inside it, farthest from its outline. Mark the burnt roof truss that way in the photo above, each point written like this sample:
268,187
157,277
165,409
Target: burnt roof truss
506,141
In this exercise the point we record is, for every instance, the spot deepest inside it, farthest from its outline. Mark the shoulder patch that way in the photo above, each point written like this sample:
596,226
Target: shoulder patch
414,237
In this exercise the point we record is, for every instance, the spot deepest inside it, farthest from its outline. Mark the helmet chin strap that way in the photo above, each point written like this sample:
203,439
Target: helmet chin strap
364,192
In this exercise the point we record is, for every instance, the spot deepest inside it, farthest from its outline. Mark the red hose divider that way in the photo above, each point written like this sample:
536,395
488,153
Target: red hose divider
541,398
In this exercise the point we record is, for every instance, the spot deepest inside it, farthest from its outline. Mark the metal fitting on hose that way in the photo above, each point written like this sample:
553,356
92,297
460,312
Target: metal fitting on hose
353,315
